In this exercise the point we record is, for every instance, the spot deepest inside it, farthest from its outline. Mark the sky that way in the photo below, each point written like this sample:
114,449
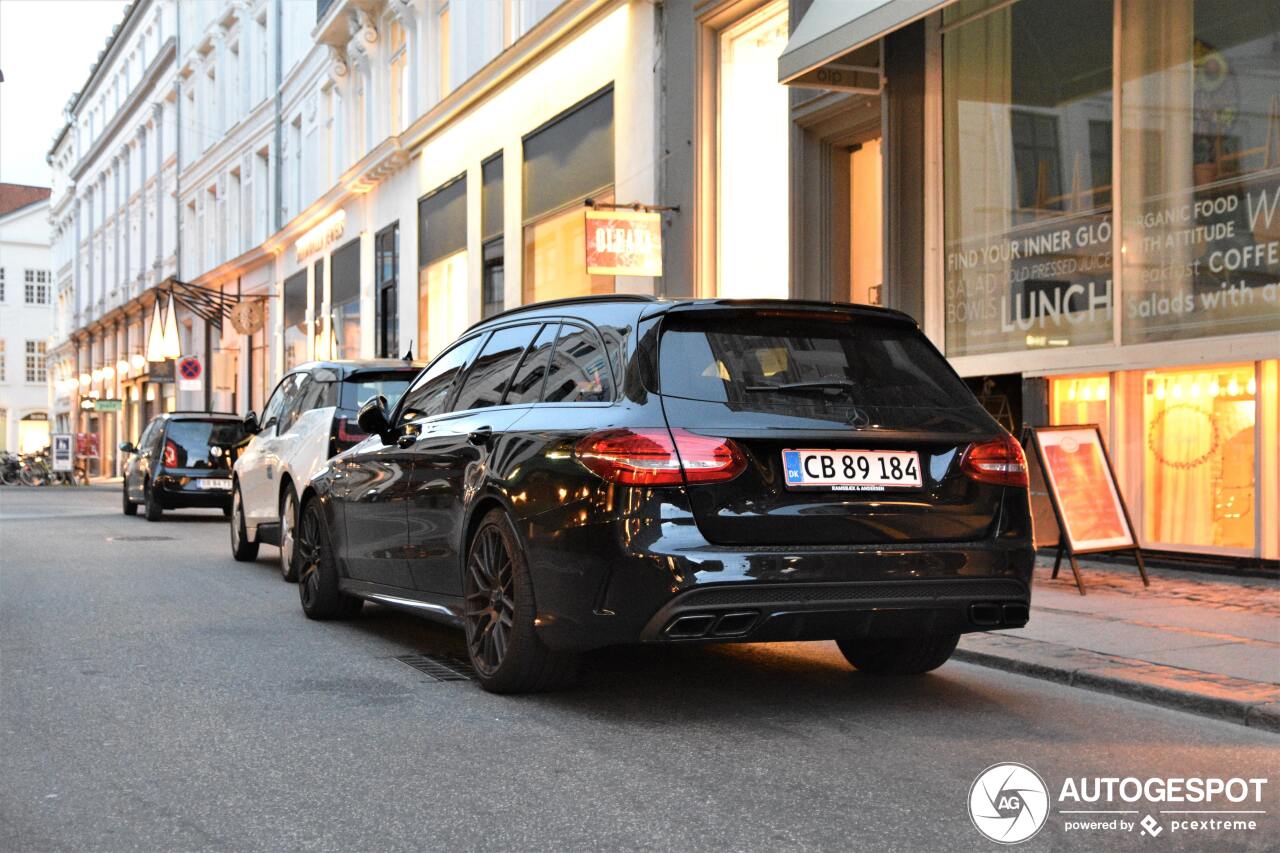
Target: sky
46,49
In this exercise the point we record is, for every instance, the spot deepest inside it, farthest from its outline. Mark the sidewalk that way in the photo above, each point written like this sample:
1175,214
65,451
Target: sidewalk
1202,643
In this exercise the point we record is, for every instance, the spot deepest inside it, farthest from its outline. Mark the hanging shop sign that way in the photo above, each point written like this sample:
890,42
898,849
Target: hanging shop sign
63,455
624,242
161,371
330,229
248,317
108,404
189,372
1082,489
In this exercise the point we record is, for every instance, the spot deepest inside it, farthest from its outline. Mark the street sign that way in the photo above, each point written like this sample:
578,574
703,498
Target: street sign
64,456
189,371
624,242
109,404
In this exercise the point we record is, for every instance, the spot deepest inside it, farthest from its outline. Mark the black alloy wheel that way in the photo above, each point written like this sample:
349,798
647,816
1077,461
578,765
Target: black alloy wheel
490,602
242,549
498,613
130,508
318,571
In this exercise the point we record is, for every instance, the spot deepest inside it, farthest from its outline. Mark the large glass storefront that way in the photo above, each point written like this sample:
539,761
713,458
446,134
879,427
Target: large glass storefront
442,265
1111,179
752,158
566,161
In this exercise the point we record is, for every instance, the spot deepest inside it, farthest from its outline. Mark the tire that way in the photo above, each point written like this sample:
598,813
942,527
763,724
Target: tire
152,504
907,656
288,535
242,549
130,508
498,610
318,570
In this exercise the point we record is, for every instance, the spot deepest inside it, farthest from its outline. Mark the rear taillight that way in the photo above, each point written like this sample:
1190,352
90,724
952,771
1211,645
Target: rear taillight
659,457
1000,462
346,434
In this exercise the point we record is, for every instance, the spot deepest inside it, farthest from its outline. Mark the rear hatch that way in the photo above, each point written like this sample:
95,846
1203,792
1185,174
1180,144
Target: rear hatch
853,426
199,448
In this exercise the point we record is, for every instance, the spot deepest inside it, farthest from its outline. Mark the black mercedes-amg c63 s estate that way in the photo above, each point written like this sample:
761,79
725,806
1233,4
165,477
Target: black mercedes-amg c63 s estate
607,470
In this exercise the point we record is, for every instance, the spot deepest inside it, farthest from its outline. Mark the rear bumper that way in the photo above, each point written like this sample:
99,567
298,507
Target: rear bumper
178,492
775,612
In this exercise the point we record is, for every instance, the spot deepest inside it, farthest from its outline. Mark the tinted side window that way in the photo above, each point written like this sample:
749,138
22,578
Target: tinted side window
579,369
297,400
430,393
526,387
147,435
487,379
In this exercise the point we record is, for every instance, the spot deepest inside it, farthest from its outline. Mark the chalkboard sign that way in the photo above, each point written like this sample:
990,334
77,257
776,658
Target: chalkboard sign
1080,483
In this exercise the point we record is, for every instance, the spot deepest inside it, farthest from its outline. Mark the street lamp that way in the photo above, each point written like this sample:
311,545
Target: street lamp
155,337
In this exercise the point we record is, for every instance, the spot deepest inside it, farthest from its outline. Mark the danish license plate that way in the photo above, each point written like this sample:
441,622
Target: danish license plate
852,470
214,484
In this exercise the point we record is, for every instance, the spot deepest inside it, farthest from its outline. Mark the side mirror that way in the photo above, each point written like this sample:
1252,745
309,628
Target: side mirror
373,417
127,447
251,424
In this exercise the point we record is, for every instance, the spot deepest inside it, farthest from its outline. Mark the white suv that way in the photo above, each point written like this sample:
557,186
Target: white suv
310,417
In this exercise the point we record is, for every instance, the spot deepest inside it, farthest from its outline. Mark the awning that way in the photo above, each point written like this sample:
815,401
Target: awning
832,28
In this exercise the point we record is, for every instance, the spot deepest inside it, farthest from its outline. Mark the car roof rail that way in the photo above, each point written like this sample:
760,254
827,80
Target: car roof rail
568,300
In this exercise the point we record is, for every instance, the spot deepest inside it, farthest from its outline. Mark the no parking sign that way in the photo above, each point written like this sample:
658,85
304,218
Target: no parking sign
189,371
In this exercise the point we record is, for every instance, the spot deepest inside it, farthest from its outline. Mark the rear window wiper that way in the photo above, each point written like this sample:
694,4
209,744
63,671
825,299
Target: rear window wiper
818,386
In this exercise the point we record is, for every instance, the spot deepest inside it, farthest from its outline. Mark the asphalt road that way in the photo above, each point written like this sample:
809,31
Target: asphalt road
156,695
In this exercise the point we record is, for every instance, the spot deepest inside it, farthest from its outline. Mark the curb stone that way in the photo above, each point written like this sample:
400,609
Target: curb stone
1236,700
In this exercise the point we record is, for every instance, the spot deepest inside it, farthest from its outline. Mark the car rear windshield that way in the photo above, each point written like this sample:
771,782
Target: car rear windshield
359,388
202,444
837,366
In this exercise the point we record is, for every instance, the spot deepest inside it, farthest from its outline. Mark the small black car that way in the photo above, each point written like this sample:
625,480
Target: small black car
620,469
183,459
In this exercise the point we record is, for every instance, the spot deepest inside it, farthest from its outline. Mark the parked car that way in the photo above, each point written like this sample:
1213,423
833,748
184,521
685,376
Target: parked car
182,459
309,417
616,469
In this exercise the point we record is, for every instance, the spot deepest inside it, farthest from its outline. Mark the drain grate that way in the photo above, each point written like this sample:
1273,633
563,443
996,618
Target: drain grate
439,667
140,538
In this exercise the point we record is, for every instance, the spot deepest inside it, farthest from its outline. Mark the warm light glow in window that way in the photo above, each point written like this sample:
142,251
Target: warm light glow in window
442,302
752,189
1198,445
1080,400
555,252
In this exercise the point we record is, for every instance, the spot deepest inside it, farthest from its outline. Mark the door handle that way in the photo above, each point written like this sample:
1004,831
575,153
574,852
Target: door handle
406,441
481,436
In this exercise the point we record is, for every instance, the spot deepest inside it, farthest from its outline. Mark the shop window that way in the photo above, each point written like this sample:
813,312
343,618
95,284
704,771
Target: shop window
1199,464
320,347
866,224
442,265
493,283
224,372
295,319
1081,400
752,188
386,264
1201,243
344,317
566,161
1027,107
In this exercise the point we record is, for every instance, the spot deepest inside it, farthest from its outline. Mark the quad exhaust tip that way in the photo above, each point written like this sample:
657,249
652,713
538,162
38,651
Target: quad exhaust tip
697,625
995,615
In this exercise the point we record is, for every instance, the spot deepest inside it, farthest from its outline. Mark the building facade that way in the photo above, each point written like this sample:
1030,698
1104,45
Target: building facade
26,317
1088,229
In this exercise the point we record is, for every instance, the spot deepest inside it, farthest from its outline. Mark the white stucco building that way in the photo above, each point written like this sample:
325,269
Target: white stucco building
26,317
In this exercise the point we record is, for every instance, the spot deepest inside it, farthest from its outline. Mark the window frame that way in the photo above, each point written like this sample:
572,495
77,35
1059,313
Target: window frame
590,328
466,376
394,420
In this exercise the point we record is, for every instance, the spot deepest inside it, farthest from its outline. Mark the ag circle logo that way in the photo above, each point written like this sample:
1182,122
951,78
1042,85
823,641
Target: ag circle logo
1008,803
